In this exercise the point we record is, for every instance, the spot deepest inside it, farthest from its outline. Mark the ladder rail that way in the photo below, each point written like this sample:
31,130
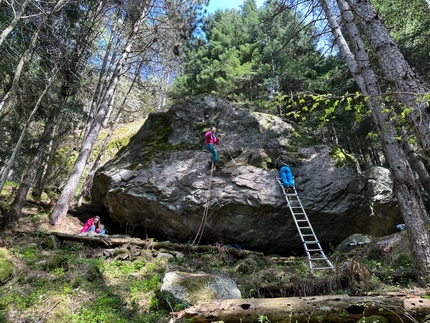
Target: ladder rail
303,224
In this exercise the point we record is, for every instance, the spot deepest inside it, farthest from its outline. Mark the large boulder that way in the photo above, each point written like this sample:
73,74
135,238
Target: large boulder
161,183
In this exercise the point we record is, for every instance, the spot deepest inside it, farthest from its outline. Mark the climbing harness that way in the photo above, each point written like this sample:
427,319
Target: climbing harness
206,210
317,260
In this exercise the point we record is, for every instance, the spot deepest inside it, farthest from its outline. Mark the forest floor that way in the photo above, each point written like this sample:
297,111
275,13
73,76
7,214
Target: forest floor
73,281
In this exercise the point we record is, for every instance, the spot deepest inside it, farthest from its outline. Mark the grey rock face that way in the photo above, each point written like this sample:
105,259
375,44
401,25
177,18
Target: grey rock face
161,182
190,288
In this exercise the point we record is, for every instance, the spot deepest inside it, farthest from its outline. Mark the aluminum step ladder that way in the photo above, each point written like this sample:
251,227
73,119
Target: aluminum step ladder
317,260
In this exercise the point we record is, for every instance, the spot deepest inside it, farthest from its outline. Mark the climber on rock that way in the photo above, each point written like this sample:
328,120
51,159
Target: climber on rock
282,164
210,141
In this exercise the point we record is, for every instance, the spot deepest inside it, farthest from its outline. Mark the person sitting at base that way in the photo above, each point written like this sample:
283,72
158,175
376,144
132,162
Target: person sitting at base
282,164
210,141
94,225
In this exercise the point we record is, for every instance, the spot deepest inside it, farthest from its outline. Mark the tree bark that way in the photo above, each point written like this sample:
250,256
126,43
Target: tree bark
17,147
417,165
102,80
406,189
333,308
27,181
89,180
397,70
62,206
45,171
120,240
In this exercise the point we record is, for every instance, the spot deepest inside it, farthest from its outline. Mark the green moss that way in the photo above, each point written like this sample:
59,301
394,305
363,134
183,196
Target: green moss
117,144
198,289
6,270
3,253
158,140
202,126
61,310
341,158
52,262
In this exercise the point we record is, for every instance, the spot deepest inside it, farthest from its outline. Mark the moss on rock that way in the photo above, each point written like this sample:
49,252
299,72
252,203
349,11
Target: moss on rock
7,270
158,139
342,159
198,289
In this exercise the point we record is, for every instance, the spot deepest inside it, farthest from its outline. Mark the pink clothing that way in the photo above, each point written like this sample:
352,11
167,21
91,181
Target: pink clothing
211,138
87,225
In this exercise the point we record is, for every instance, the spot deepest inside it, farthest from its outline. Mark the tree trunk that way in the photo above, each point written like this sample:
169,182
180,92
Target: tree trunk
102,82
24,187
17,147
62,206
89,179
39,180
333,308
417,165
397,70
45,171
406,189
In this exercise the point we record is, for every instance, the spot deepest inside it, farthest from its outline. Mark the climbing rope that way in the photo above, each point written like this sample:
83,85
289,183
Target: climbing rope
199,234
206,210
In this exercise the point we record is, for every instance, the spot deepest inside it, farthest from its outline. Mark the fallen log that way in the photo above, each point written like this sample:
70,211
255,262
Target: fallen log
333,308
120,240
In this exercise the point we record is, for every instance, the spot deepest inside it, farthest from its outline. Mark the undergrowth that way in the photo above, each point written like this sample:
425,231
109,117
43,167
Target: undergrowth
71,281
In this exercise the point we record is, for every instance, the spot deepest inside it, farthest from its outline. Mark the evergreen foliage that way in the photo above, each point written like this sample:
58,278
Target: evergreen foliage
266,59
249,55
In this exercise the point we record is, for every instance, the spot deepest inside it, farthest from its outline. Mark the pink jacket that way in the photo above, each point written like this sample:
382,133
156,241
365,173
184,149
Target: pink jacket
87,225
211,138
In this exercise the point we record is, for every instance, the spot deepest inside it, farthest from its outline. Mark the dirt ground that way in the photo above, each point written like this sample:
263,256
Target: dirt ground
36,218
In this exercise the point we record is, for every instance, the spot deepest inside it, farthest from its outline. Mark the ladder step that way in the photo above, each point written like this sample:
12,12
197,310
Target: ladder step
299,215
